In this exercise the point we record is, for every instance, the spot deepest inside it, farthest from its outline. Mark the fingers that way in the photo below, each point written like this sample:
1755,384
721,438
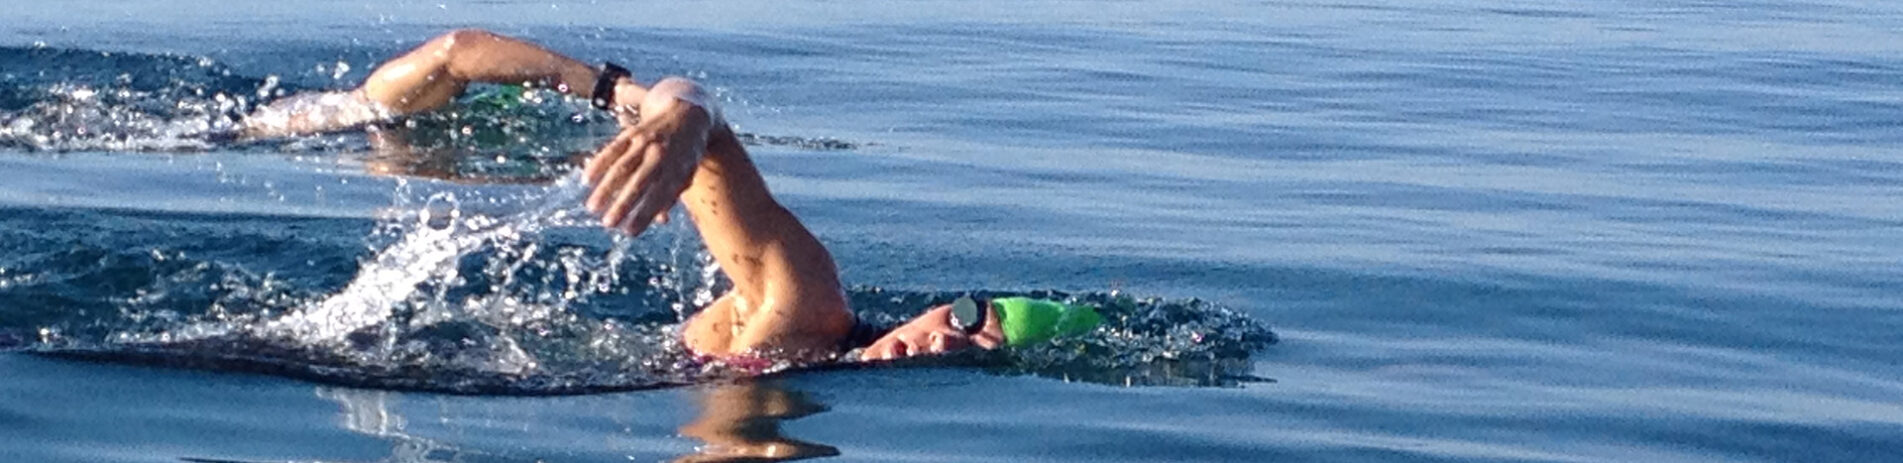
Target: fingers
623,186
613,176
635,181
598,165
646,193
603,167
640,175
635,223
658,198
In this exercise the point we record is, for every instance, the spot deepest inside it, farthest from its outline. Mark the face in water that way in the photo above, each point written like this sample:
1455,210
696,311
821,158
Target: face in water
946,328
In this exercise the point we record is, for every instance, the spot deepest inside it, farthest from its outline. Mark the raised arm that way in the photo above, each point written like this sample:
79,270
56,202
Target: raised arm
787,297
437,71
429,77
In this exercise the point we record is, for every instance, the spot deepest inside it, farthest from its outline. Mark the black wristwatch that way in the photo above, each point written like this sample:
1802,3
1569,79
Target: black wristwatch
968,315
605,84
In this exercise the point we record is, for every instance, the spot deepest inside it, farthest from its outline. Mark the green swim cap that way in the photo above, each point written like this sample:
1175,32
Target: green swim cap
1030,321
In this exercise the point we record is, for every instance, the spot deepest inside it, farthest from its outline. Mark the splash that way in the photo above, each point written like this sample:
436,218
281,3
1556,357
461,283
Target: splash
470,295
428,251
54,99
491,291
58,100
482,291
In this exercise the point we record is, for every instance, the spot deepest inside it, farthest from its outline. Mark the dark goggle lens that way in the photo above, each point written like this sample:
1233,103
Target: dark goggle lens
968,315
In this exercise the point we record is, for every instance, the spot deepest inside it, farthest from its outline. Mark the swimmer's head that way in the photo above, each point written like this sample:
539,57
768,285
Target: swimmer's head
966,323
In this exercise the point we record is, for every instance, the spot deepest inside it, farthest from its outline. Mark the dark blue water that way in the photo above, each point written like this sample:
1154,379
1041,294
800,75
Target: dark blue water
1633,231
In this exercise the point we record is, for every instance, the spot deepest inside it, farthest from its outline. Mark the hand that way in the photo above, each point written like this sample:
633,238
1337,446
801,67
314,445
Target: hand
641,174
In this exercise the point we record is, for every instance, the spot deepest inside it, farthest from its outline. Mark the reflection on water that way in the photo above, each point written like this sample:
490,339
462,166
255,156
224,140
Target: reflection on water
740,421
394,152
737,422
371,412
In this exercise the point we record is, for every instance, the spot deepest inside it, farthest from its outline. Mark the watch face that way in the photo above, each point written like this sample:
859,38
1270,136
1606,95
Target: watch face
967,315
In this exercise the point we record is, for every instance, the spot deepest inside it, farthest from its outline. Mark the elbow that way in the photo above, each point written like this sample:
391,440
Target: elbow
457,40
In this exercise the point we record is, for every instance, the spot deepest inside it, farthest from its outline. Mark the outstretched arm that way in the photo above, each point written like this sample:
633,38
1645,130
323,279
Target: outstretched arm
437,71
786,296
429,77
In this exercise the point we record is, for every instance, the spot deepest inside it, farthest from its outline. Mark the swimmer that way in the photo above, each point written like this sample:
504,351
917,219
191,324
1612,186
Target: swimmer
786,300
674,147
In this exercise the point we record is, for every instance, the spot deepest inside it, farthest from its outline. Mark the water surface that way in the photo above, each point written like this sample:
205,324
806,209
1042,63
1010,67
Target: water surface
1573,232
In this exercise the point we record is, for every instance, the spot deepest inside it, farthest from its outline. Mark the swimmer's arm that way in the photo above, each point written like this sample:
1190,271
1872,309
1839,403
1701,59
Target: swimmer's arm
787,295
436,72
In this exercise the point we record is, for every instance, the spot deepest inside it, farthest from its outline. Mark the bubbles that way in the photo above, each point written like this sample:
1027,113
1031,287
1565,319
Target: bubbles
440,212
338,71
269,88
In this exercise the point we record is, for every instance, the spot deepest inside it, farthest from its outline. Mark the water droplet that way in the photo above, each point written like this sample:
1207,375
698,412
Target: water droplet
440,212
